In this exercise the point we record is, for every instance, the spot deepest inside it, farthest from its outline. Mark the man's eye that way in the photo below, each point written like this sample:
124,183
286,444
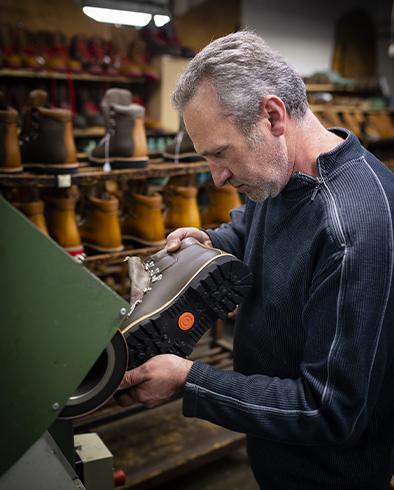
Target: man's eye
218,154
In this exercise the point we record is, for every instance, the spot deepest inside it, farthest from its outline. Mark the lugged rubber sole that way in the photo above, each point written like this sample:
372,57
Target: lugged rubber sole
212,294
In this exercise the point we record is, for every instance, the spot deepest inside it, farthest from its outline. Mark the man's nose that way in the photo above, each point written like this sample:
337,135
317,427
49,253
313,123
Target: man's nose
220,175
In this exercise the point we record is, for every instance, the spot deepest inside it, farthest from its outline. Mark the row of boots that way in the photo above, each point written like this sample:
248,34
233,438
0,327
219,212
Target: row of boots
47,143
144,221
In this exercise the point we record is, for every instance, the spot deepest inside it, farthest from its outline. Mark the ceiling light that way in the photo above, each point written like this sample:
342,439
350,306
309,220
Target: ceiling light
120,17
161,20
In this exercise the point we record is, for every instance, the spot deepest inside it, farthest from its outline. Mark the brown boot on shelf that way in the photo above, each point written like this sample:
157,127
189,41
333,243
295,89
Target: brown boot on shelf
47,142
144,223
124,144
101,229
62,223
221,200
34,210
10,157
182,209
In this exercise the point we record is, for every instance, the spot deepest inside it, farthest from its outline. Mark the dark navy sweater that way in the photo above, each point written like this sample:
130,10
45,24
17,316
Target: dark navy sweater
313,385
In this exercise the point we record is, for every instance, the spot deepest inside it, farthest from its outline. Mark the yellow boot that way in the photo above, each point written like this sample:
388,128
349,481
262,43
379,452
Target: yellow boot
101,229
144,223
10,157
183,208
62,223
221,201
34,210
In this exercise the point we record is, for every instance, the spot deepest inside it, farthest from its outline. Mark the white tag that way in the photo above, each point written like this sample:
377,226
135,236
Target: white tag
64,180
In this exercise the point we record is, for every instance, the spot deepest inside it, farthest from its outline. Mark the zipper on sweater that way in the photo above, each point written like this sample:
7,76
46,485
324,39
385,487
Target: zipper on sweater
317,188
335,217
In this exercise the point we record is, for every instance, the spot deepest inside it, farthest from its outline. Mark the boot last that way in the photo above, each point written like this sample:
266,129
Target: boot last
124,144
47,142
221,200
34,210
10,158
62,223
182,209
182,148
101,229
144,223
177,297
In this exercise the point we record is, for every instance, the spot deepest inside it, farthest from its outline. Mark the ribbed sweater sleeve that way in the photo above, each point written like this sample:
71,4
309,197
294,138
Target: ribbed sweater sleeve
348,346
231,237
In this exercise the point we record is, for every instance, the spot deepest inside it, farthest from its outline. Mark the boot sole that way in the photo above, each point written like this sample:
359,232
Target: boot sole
97,248
53,169
211,294
11,170
144,242
119,163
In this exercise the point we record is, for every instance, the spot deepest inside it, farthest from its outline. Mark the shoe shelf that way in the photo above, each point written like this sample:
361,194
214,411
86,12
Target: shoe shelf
87,77
351,89
93,175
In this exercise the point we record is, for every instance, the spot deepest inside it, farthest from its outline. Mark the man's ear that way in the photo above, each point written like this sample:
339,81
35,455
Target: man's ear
273,110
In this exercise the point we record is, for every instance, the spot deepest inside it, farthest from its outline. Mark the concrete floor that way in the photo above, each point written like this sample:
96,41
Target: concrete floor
231,472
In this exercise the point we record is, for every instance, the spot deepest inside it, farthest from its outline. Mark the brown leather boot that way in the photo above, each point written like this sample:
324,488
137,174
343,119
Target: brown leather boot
221,201
10,157
182,209
144,223
47,142
124,144
62,223
34,210
176,298
101,229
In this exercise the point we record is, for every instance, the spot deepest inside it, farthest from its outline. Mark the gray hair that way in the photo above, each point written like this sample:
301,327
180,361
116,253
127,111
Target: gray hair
243,69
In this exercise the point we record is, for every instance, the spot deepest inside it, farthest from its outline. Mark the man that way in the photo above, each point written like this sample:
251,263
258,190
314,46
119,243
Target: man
313,345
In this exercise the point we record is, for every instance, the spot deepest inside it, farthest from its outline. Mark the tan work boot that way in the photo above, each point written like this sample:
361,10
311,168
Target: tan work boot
47,141
62,223
182,209
221,201
34,210
144,223
101,229
10,157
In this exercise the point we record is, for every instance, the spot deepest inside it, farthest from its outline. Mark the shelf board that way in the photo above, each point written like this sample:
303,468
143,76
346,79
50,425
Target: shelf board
330,87
92,175
23,73
99,131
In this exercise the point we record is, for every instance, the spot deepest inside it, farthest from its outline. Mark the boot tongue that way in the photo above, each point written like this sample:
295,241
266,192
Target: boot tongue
38,98
115,96
139,279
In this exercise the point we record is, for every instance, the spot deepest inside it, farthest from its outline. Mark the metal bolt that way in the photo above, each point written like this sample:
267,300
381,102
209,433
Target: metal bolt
55,406
123,311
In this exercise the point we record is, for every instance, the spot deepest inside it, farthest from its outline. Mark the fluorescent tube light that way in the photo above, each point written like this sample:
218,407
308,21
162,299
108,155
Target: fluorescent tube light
120,17
161,20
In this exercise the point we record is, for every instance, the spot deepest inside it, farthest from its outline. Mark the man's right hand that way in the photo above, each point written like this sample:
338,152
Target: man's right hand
174,239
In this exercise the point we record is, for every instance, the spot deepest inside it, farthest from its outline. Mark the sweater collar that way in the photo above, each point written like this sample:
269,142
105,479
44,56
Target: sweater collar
349,149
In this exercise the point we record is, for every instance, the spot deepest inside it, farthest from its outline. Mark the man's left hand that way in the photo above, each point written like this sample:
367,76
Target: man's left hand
158,380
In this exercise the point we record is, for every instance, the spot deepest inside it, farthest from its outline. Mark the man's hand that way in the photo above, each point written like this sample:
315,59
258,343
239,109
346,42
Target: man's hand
158,380
174,239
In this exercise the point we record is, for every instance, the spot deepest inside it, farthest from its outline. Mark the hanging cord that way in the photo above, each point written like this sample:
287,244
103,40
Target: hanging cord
107,164
178,142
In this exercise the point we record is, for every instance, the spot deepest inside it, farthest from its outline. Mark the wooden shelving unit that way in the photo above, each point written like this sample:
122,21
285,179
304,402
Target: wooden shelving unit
85,77
92,175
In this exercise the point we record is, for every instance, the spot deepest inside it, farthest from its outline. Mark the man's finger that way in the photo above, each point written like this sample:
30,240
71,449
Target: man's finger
125,398
132,378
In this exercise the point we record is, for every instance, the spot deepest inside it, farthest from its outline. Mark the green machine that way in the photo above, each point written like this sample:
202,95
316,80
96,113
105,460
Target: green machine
61,353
